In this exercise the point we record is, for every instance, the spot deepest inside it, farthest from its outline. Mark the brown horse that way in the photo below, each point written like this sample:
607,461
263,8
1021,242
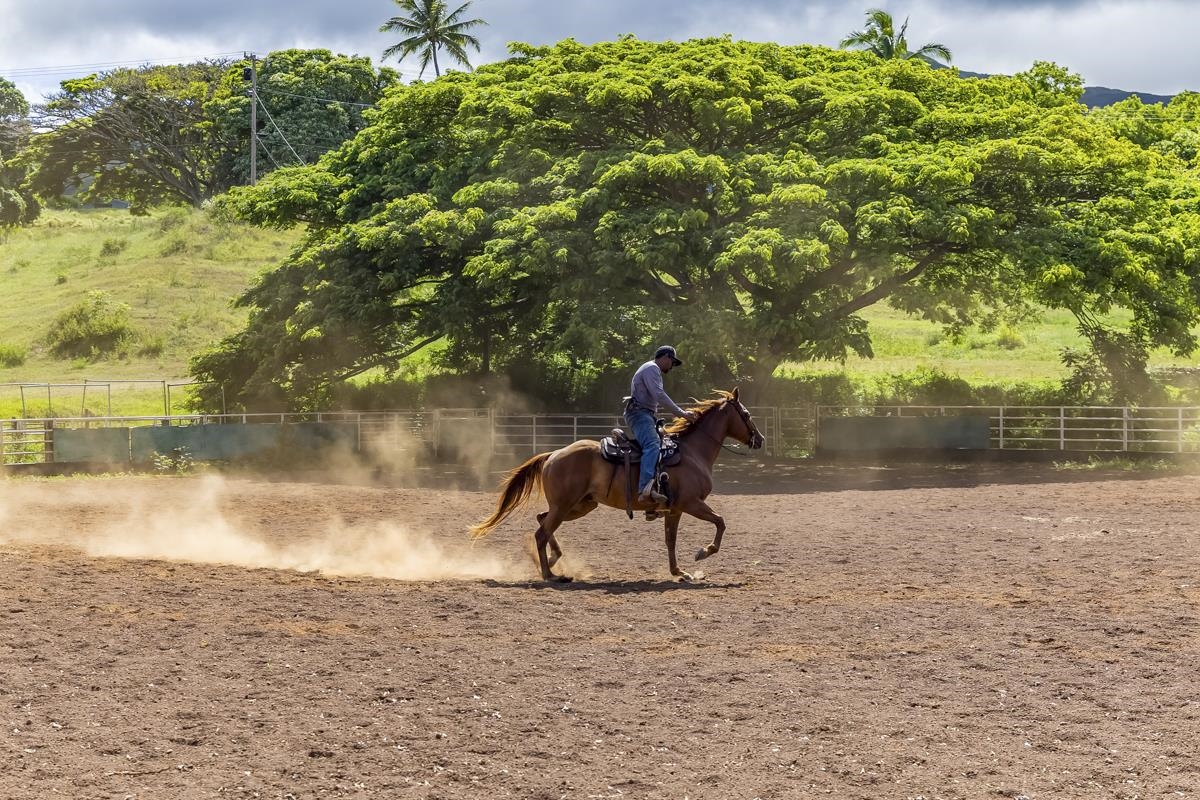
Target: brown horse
576,479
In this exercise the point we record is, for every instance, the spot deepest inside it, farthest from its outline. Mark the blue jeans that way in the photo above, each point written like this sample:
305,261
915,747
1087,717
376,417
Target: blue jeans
645,430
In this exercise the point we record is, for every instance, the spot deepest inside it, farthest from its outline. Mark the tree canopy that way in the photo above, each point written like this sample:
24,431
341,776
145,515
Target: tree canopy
17,203
574,205
181,133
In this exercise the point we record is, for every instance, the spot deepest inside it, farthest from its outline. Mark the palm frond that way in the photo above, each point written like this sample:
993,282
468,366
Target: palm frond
935,49
456,51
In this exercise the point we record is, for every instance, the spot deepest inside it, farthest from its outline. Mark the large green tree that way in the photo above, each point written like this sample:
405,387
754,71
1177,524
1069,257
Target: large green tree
429,27
310,102
138,134
880,37
181,133
17,203
573,205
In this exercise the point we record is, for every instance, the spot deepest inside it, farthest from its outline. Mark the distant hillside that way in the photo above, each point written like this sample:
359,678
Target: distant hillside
1093,96
178,271
1098,96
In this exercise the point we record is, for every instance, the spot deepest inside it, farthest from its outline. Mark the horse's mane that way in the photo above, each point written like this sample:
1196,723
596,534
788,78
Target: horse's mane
682,425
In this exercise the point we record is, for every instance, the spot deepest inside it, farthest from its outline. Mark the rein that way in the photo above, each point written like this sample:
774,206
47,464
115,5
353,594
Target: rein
736,450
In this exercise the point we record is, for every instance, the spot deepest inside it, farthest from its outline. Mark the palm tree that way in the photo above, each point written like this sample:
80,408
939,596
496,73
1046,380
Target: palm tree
428,28
880,38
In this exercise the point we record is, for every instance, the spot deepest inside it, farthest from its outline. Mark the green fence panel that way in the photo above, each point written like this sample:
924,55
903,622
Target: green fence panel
231,442
316,436
100,446
864,434
206,442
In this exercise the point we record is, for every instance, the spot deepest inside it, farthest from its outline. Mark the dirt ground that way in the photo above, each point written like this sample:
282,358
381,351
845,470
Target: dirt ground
970,631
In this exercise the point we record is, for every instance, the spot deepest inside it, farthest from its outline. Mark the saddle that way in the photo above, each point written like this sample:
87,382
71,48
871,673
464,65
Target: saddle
620,449
618,446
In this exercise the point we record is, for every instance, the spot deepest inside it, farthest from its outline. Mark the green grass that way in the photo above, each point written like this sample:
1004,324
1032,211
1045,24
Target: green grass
1030,352
177,270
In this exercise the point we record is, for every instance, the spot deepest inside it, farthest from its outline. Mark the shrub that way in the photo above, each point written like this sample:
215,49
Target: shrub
113,247
177,462
94,327
1009,338
173,218
174,245
151,347
12,356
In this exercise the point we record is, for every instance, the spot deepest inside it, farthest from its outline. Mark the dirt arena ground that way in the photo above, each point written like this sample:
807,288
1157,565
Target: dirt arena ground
963,632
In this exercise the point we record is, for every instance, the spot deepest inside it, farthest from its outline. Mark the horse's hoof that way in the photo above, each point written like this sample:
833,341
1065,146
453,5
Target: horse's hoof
701,554
684,577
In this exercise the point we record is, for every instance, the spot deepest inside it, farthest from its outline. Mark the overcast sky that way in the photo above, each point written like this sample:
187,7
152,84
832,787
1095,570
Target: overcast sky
1136,45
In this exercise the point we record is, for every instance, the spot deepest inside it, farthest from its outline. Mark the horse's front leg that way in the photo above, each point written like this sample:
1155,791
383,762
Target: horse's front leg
671,525
700,510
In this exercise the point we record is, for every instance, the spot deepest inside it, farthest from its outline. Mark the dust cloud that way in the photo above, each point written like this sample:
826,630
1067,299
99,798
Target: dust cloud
189,520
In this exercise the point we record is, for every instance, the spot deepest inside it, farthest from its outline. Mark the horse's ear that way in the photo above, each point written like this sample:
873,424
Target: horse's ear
735,393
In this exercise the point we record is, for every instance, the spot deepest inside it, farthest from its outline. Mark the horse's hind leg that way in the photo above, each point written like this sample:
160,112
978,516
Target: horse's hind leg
582,508
555,551
545,533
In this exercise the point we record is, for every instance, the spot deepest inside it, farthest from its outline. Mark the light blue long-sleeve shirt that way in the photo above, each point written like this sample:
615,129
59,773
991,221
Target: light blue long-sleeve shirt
647,389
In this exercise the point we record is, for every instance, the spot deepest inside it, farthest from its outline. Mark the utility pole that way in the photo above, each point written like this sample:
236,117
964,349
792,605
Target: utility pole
251,73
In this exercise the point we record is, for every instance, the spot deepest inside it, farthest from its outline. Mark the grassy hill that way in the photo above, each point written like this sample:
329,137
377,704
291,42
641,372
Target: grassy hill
178,271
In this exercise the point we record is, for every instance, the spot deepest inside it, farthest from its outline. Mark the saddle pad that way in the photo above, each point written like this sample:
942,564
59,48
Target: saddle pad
611,450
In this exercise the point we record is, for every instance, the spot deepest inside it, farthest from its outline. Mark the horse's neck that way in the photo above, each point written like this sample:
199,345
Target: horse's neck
708,435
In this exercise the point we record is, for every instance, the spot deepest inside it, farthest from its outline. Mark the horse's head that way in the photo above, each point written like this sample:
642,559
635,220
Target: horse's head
744,429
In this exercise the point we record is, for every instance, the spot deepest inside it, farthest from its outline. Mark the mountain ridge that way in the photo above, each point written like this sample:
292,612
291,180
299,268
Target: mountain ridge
1093,96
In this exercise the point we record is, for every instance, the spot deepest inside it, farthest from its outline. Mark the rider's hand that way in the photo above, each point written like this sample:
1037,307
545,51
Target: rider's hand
691,416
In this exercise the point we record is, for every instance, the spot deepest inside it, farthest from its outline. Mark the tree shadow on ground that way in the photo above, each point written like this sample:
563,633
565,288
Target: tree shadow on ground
615,587
811,476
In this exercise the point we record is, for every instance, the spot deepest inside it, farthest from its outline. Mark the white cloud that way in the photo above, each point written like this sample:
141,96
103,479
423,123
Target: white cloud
1128,44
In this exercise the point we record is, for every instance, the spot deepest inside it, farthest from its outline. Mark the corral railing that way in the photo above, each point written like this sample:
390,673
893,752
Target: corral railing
789,432
1163,429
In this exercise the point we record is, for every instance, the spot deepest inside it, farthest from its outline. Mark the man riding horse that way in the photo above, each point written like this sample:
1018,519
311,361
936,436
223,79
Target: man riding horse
646,392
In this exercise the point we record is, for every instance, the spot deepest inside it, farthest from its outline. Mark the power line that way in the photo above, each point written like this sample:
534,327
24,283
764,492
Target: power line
28,72
267,150
317,99
280,132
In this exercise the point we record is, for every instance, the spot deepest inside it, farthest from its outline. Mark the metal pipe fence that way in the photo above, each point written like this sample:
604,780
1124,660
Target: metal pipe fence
1089,429
789,432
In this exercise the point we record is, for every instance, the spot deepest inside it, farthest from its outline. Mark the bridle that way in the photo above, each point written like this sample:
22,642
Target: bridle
755,435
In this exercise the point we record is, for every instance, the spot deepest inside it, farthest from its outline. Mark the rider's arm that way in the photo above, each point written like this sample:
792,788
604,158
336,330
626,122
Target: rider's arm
656,382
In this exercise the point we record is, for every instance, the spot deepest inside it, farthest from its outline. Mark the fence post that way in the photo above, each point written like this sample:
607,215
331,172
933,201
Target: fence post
1062,428
1179,428
1001,428
534,417
1125,429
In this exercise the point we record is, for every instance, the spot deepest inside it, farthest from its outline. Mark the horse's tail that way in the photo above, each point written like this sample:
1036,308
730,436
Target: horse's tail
519,485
